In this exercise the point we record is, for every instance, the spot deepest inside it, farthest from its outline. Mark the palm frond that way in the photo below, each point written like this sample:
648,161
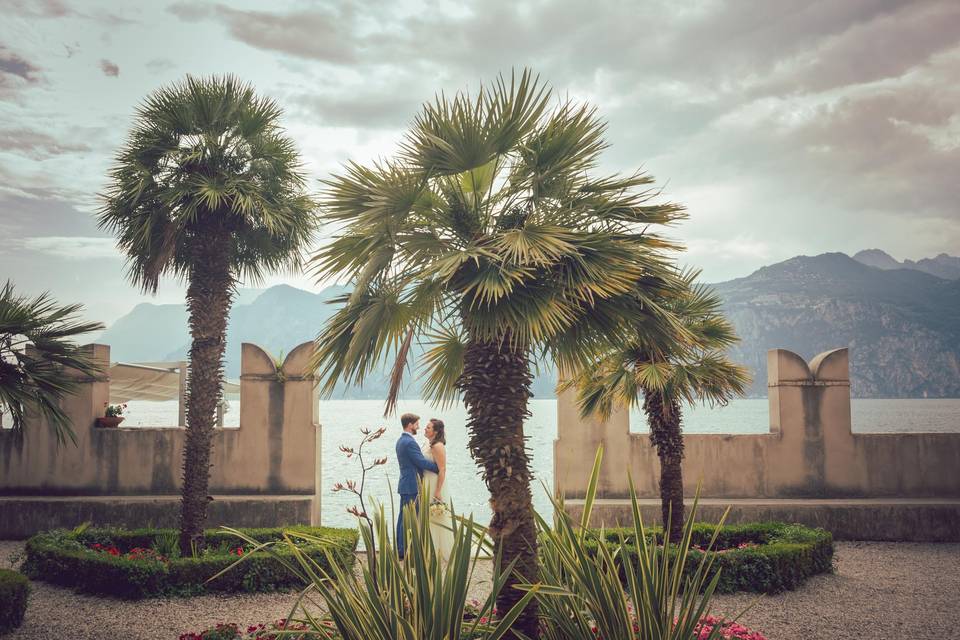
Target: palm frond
39,361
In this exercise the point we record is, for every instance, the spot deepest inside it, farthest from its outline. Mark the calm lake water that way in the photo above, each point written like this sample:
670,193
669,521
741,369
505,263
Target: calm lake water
341,420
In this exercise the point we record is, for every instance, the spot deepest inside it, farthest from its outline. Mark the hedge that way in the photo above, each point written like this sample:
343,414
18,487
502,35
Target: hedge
67,559
784,556
14,589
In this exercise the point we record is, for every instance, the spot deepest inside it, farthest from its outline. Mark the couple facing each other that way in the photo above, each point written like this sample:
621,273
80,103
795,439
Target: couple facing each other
429,463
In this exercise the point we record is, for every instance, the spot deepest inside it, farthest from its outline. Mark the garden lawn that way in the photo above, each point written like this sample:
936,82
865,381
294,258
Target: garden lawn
879,590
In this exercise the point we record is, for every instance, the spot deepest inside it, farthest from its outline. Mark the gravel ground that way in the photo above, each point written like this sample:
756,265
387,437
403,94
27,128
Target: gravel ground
879,591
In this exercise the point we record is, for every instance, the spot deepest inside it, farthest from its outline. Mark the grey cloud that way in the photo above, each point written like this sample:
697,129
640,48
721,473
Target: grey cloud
73,247
37,8
886,46
160,64
36,144
326,34
15,65
109,68
387,108
42,215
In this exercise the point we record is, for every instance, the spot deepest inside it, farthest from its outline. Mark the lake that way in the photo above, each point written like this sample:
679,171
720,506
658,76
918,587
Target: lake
342,419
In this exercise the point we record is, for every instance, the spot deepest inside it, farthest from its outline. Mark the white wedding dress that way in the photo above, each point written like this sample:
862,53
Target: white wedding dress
439,525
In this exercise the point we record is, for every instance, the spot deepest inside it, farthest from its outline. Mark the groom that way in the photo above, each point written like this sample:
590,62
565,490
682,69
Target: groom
412,466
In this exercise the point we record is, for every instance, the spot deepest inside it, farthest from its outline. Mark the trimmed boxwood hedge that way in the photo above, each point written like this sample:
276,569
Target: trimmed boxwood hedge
14,590
65,558
784,556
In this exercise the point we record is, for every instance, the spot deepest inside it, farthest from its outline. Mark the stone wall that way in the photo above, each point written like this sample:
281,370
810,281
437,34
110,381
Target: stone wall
810,453
275,453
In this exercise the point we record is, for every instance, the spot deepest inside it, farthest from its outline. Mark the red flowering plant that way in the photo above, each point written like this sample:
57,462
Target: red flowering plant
137,553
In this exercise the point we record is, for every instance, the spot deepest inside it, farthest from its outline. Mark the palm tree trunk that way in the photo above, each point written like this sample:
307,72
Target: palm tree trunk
666,434
496,388
209,297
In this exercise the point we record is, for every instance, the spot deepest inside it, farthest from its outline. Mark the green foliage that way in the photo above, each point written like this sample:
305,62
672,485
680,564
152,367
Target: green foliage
689,366
14,591
65,558
489,226
167,544
207,155
35,380
584,594
418,598
780,556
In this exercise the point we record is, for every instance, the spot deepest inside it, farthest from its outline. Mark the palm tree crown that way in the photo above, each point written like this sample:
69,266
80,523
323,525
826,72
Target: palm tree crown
34,379
690,368
489,225
207,152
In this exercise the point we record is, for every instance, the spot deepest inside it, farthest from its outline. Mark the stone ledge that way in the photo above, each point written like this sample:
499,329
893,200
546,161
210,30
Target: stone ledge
23,516
894,519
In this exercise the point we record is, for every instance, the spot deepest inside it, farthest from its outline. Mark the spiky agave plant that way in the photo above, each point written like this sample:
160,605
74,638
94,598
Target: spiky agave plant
33,379
419,598
207,189
488,240
582,593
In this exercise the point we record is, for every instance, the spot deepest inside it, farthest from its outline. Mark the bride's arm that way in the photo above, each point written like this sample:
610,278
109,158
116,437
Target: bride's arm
440,457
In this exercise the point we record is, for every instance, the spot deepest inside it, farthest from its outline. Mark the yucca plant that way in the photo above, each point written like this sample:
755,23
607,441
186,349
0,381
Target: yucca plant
583,596
207,189
34,380
419,598
488,240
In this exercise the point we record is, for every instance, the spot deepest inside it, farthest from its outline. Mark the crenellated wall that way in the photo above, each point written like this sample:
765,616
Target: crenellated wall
810,456
268,467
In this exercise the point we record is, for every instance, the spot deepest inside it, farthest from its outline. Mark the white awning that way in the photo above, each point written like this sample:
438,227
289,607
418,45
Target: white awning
150,381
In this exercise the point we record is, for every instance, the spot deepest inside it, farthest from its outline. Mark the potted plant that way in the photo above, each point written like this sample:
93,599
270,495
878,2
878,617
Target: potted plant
112,415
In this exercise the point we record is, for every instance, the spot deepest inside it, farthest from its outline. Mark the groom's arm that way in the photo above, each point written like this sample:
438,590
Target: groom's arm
418,459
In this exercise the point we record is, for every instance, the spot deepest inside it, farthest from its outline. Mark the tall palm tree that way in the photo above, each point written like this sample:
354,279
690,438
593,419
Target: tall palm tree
661,376
35,381
210,190
488,240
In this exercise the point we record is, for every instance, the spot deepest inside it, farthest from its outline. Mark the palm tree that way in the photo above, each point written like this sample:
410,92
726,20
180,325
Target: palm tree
663,375
34,380
210,190
488,241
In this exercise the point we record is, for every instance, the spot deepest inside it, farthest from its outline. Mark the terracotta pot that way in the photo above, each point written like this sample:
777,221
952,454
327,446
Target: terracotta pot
109,422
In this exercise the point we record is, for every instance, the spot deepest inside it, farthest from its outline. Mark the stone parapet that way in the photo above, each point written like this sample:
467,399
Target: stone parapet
810,451
274,452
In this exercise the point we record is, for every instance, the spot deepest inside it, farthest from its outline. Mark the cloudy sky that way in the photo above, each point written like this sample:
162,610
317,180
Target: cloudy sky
786,127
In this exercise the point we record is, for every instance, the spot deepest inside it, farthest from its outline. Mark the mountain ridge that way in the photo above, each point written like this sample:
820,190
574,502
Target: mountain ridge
901,323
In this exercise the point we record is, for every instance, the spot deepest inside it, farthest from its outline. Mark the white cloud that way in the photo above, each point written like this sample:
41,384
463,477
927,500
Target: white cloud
73,248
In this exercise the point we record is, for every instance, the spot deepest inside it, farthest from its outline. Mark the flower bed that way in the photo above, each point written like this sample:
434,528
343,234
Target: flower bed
766,557
14,590
232,631
145,562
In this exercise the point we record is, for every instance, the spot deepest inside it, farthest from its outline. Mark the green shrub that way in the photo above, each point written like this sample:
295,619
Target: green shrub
66,558
783,557
14,589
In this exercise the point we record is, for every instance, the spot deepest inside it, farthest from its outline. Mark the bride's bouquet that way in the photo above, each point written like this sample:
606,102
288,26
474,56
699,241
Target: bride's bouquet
438,509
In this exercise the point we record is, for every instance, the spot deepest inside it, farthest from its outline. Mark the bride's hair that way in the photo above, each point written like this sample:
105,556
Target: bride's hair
439,435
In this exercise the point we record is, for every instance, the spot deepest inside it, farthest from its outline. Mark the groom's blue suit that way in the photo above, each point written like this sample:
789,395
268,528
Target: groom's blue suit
412,465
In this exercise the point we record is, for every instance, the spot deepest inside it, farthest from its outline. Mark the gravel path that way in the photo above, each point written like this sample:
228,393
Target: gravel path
880,590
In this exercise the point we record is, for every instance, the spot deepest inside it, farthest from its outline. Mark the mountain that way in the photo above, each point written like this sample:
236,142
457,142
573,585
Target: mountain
942,266
902,325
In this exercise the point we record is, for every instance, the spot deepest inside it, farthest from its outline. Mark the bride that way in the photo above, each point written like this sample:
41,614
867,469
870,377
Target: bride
436,487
